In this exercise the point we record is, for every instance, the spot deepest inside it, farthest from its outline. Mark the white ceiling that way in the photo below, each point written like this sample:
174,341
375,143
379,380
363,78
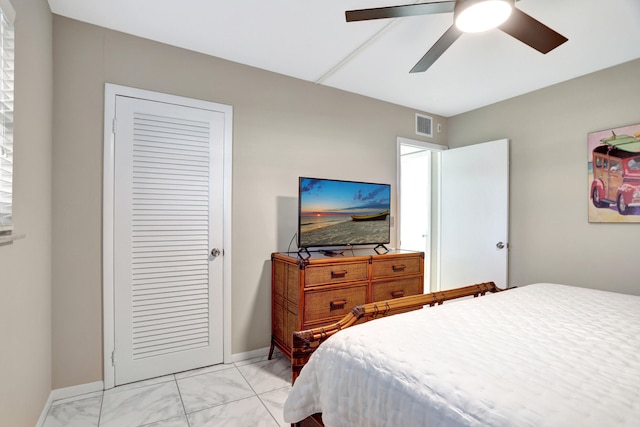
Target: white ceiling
310,40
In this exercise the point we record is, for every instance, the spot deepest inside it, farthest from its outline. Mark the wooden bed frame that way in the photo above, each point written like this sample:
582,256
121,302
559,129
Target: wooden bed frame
306,342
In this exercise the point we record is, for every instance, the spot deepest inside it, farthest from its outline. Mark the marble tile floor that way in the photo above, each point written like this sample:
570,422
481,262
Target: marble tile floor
247,393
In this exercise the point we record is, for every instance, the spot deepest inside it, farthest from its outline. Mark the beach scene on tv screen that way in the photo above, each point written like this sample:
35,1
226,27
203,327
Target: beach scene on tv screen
335,213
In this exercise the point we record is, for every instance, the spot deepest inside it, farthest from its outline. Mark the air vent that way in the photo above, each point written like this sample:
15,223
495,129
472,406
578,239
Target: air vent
424,125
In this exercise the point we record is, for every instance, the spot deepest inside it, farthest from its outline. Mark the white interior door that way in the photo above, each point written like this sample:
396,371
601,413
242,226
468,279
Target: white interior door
168,206
474,222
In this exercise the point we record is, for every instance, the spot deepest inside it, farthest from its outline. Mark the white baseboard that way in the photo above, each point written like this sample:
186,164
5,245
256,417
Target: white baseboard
77,390
45,411
240,357
66,393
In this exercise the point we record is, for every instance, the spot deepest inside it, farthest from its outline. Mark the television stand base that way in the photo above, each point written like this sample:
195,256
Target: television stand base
383,249
302,251
330,252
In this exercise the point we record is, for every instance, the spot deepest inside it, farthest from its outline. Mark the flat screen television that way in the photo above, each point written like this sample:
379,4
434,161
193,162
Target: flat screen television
342,213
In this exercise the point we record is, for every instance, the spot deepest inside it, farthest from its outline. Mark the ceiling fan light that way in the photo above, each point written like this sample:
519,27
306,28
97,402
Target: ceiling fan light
477,16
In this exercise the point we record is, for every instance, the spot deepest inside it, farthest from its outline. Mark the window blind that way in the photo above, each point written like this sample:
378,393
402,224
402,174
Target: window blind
6,119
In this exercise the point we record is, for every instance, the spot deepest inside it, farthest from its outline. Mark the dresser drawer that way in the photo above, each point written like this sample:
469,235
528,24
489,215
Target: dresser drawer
397,288
317,275
396,267
323,304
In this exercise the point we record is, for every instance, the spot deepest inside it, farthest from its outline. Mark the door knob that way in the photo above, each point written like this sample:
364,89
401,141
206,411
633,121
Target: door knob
215,252
500,245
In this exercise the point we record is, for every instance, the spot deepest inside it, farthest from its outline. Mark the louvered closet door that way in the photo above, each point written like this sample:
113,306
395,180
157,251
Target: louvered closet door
168,218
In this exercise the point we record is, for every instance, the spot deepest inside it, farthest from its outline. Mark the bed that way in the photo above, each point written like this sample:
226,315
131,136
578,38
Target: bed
538,355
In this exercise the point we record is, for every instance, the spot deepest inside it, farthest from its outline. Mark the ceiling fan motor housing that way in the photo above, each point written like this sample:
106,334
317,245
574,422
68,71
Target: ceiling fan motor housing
474,16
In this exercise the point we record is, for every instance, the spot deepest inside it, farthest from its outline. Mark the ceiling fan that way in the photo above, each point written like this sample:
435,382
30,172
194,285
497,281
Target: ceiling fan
470,16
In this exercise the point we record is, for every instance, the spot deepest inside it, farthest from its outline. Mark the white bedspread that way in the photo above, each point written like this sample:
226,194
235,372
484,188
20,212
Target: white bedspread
539,355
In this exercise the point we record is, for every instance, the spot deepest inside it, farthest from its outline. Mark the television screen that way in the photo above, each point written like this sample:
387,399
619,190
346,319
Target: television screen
341,213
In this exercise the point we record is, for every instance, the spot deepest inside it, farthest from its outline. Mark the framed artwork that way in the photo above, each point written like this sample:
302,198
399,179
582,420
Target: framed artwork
614,174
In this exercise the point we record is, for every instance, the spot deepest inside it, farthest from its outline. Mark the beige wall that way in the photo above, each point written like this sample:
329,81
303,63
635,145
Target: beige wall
25,265
283,128
551,239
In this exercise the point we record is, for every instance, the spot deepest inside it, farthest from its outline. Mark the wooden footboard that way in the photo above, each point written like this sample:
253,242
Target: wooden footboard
305,342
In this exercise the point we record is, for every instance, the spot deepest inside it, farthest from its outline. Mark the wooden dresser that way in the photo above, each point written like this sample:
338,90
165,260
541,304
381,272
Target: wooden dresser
315,290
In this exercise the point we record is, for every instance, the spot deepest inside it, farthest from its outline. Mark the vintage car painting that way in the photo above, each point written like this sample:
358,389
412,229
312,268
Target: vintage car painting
615,179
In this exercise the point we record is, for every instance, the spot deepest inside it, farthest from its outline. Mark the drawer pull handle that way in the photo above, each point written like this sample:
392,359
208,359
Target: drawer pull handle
397,294
399,267
338,274
337,304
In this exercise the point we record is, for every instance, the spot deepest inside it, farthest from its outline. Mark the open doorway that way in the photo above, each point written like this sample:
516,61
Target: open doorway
416,161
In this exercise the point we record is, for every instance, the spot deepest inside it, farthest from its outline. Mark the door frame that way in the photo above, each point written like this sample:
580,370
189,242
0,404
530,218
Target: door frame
435,188
108,285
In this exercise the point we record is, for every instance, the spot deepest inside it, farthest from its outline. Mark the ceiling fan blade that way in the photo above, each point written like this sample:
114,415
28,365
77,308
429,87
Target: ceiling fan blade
400,11
443,43
532,32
